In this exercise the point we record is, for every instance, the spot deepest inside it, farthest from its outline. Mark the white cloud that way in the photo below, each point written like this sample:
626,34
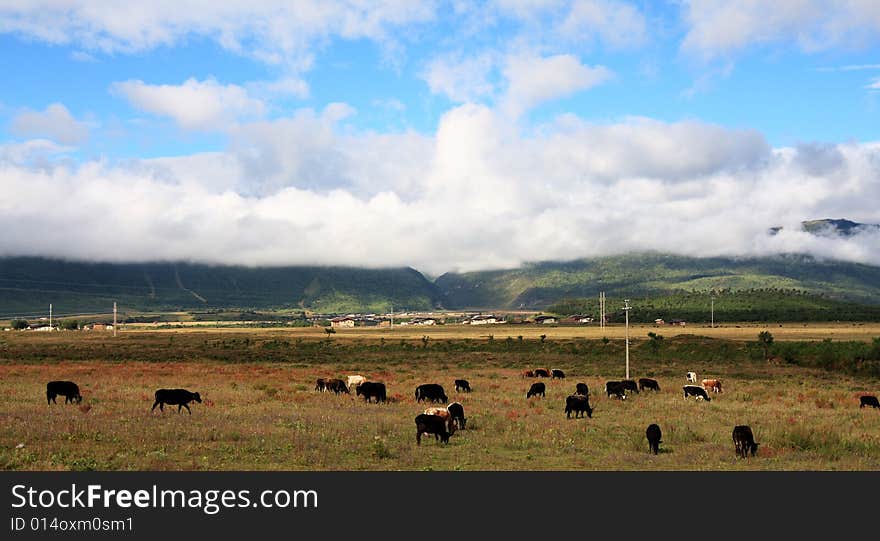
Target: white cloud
478,193
194,105
55,122
534,79
461,78
273,31
874,85
616,24
722,27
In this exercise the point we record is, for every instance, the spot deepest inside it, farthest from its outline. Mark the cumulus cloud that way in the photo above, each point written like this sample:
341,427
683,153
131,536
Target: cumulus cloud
534,79
478,193
874,85
273,31
722,27
461,78
55,122
616,24
194,105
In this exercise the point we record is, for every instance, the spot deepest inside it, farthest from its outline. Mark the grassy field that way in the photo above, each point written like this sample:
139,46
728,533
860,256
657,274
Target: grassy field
260,411
742,331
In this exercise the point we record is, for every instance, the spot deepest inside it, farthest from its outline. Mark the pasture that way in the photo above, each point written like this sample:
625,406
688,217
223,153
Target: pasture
260,410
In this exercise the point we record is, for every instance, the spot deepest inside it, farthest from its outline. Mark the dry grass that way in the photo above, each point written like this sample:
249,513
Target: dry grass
265,415
727,331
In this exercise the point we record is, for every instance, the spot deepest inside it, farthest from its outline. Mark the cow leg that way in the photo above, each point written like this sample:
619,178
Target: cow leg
418,437
187,409
154,406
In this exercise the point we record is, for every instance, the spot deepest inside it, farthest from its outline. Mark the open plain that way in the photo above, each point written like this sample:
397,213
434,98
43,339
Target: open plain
260,410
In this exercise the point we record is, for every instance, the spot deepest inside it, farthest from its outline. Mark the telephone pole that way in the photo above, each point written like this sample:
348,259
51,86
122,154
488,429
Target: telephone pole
114,319
50,316
626,309
713,312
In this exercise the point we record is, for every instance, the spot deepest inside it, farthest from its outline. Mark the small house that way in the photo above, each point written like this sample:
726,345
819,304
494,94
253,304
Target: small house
546,320
342,322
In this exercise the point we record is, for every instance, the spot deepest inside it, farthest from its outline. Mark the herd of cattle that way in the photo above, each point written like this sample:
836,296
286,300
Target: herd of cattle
442,421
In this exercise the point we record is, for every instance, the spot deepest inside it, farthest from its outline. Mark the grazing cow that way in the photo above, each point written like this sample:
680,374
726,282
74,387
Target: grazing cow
528,373
536,389
692,377
354,381
868,400
68,389
431,424
653,434
542,373
456,411
630,385
582,389
557,373
336,386
695,391
369,389
462,385
713,385
431,391
175,397
442,412
648,383
579,404
321,385
615,388
744,441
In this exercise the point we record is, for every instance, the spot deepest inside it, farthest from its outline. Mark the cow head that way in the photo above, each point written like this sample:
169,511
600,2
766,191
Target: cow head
197,398
78,398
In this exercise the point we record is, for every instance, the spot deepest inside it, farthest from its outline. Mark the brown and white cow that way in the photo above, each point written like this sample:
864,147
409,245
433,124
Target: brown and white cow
713,385
443,413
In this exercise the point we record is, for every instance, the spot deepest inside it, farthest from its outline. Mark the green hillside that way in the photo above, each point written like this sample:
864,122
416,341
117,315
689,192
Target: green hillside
28,285
758,305
540,285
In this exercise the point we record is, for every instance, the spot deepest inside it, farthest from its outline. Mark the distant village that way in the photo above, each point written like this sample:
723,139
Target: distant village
358,320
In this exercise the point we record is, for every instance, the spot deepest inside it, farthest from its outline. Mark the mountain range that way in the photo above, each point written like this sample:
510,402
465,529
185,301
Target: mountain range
29,284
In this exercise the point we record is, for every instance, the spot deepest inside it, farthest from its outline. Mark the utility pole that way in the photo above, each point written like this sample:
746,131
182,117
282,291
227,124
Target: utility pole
114,319
626,313
50,316
713,312
392,315
602,309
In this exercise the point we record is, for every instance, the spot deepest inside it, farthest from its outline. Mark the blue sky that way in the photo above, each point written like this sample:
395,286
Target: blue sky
318,99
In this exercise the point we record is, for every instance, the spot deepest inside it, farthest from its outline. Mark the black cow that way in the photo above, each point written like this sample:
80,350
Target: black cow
431,391
462,385
582,389
556,373
653,434
579,404
542,373
336,386
369,389
648,383
868,400
456,413
536,389
744,441
630,385
431,424
615,388
68,389
175,397
321,384
695,391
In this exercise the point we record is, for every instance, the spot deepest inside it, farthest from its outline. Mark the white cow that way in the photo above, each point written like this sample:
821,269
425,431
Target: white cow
692,377
354,381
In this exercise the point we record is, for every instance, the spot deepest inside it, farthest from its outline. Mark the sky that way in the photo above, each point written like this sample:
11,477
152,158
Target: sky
442,135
